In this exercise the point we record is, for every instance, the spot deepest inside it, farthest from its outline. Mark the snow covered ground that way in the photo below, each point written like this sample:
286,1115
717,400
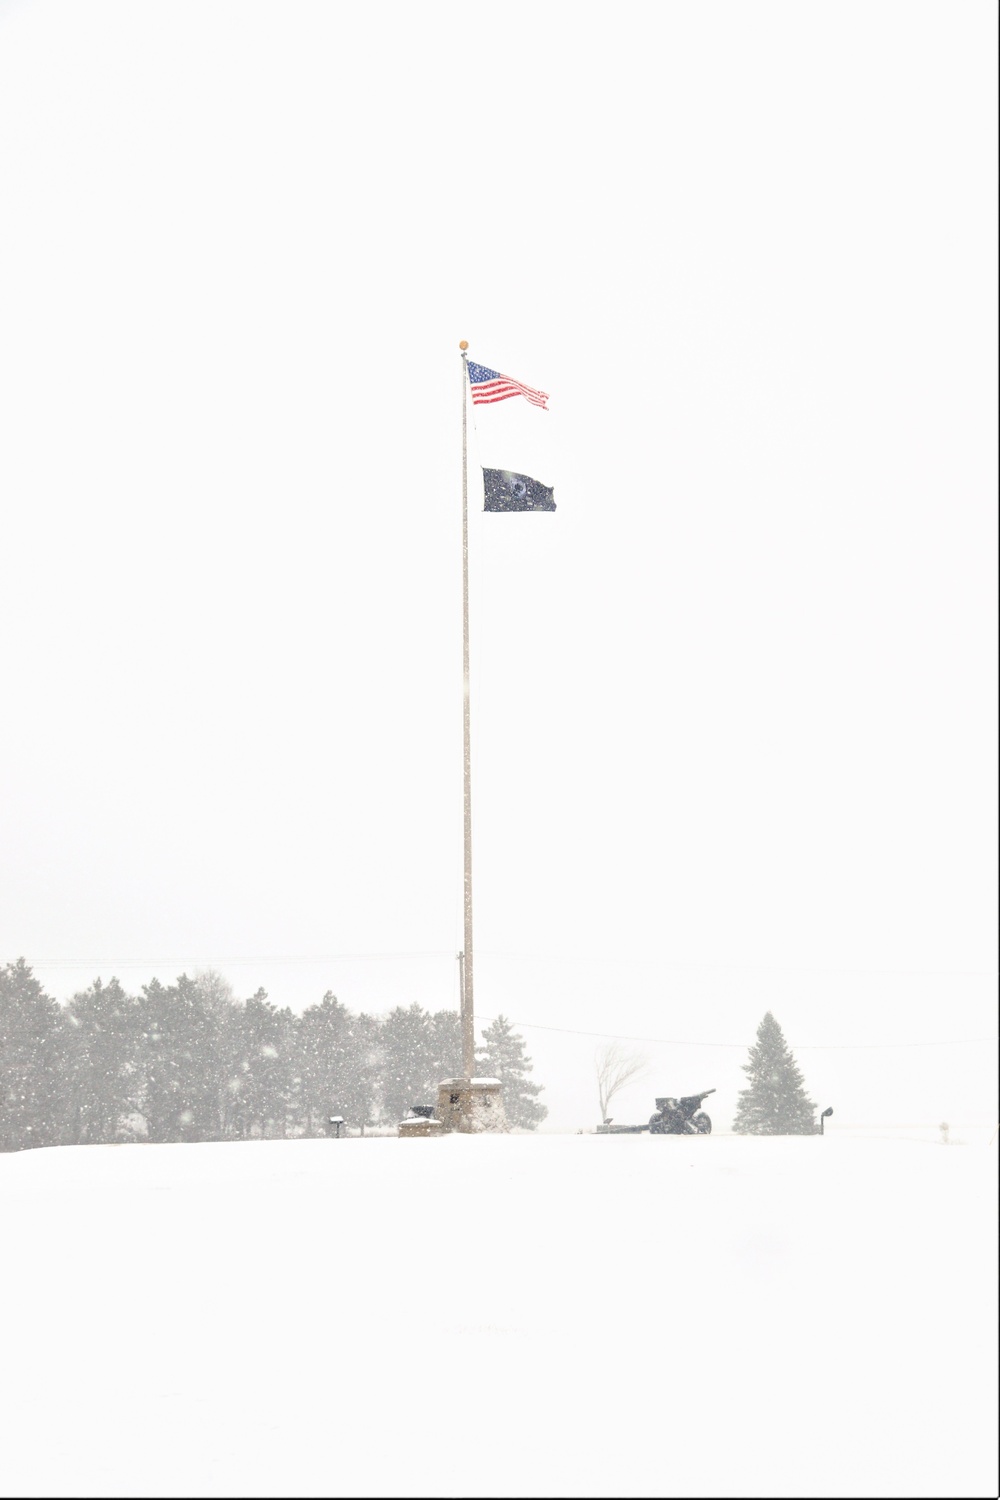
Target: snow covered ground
501,1316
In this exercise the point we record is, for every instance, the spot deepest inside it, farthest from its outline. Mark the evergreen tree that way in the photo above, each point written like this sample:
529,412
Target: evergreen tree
33,1109
502,1056
333,1049
776,1102
182,1068
103,1041
446,1032
360,1104
408,1069
266,1079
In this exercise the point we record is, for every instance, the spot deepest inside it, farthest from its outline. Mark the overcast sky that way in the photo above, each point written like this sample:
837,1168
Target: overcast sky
733,706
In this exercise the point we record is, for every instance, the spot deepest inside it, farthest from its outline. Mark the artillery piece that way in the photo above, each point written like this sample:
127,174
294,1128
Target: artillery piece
674,1116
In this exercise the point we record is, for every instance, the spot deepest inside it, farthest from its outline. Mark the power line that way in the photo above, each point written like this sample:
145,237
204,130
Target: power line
677,968
449,954
278,958
658,1041
661,1041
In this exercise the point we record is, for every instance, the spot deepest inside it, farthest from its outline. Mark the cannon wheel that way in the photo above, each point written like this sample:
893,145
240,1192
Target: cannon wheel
701,1122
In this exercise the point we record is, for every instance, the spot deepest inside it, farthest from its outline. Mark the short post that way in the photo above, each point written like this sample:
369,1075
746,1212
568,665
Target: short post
824,1116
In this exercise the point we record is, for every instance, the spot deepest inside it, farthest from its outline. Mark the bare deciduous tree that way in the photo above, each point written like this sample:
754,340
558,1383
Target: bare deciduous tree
615,1068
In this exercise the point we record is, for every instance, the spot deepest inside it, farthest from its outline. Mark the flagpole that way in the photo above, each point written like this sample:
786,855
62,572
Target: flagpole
468,1024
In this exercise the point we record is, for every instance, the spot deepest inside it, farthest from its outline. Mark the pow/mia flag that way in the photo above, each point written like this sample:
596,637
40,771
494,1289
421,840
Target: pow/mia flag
505,490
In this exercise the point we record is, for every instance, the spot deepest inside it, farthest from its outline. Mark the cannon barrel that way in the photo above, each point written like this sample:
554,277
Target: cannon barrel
685,1098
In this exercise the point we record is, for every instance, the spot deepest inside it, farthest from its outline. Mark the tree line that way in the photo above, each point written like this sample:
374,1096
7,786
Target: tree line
190,1062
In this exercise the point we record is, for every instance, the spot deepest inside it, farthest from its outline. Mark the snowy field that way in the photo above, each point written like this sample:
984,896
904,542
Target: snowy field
501,1316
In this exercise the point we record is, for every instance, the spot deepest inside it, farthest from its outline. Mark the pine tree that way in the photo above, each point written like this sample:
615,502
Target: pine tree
183,1069
776,1102
409,1071
33,1110
264,1084
502,1056
446,1032
102,1051
334,1050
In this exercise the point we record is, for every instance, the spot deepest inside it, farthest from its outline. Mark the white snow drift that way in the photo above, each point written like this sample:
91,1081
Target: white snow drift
500,1316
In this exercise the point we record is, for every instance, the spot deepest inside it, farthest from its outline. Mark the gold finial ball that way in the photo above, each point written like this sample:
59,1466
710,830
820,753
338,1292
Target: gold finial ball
464,344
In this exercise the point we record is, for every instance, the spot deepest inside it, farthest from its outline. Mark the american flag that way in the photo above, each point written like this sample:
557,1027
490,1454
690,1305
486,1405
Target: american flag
488,386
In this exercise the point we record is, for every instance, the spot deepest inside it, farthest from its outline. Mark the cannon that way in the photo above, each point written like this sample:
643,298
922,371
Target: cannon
683,1116
680,1116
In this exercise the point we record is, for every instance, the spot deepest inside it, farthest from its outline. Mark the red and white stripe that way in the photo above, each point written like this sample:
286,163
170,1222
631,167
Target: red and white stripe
503,388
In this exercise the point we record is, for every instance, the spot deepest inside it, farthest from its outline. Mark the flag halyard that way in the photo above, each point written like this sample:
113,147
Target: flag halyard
513,442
